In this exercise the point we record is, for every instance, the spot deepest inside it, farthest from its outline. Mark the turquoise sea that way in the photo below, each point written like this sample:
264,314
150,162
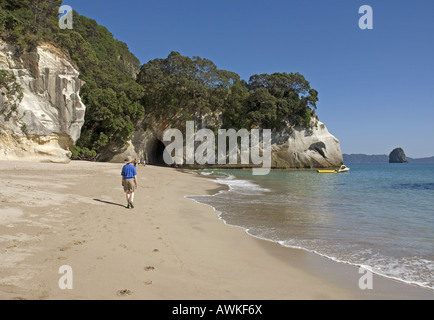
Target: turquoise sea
379,215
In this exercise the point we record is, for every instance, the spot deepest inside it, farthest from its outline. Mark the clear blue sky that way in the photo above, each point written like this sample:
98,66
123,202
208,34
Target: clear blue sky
376,87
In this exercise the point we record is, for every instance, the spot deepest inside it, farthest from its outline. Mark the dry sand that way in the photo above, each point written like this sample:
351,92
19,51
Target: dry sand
167,248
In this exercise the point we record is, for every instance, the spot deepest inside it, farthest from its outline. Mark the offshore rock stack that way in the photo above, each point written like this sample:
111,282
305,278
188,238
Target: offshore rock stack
398,156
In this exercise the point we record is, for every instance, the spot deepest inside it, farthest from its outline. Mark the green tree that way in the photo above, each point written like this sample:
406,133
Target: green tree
12,90
192,87
110,93
184,86
279,98
106,66
26,22
118,92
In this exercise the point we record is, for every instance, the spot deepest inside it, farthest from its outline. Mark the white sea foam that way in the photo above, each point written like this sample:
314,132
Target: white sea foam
206,173
414,271
242,186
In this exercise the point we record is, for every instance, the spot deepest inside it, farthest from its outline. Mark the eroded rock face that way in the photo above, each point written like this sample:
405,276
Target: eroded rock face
291,147
397,156
49,118
305,148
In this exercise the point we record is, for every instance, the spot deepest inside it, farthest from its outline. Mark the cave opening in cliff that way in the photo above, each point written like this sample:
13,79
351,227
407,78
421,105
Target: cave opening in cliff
156,157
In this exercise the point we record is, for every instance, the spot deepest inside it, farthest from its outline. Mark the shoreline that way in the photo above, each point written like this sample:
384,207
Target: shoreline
408,288
168,248
344,274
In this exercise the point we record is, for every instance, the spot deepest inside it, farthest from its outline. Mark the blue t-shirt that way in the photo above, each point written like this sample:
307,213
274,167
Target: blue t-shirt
129,171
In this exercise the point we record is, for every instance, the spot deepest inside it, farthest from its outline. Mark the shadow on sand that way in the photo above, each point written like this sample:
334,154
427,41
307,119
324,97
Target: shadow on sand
108,202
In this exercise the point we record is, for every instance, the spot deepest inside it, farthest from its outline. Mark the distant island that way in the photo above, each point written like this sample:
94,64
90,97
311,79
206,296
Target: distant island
365,158
398,156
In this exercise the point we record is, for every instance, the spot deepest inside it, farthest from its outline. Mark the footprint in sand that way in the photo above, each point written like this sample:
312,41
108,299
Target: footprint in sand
124,292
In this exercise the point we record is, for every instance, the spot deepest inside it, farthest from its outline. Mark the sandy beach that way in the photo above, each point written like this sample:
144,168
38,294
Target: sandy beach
167,248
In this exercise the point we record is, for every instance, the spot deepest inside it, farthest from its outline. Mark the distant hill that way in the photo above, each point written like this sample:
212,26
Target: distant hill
362,158
365,158
421,160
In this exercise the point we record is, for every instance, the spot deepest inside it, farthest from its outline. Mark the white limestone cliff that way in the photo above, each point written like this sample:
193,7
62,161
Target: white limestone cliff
49,118
292,147
306,148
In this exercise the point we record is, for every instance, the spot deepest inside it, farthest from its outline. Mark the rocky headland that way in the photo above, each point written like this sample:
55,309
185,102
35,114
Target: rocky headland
47,119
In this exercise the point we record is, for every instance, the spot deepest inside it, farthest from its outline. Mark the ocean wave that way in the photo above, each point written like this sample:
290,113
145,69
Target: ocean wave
206,173
242,186
411,270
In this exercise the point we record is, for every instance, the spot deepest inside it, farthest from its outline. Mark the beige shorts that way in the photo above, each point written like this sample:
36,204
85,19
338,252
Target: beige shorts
128,185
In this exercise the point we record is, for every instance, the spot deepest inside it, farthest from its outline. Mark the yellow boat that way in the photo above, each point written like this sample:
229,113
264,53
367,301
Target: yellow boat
340,170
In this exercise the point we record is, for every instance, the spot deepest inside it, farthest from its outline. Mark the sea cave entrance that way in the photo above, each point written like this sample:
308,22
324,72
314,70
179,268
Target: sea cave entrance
156,152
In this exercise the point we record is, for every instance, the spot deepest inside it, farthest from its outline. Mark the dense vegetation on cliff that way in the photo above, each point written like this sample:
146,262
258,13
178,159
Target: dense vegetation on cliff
196,87
26,22
107,67
111,94
176,86
13,91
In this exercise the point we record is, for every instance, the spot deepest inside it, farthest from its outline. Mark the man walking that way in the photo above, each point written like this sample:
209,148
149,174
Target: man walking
129,181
